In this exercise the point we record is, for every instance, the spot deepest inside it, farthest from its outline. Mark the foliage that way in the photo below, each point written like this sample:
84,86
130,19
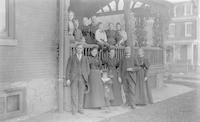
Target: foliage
157,32
140,32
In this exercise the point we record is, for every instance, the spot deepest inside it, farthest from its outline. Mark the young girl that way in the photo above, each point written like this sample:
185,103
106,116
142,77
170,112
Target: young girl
107,89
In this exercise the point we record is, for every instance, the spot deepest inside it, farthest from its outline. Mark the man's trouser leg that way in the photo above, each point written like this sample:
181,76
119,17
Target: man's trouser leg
149,93
74,96
81,90
125,87
131,91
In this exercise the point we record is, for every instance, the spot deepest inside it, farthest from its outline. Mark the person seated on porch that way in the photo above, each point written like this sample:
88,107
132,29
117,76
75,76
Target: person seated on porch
78,36
111,34
93,27
101,37
107,89
71,25
121,35
86,31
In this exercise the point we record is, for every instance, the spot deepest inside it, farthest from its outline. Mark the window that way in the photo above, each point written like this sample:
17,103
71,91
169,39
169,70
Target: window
174,11
179,10
188,29
172,30
7,22
188,9
12,102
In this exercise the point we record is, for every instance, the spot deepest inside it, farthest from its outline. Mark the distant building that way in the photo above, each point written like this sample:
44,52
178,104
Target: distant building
183,43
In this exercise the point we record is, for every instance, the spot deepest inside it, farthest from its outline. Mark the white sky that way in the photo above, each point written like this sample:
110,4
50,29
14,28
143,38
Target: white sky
176,1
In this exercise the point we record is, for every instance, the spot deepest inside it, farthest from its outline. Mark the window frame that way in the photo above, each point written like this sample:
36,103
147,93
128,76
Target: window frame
174,27
186,28
175,11
8,38
190,9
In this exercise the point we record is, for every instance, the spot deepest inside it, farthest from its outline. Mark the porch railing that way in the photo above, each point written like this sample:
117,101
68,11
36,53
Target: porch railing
155,55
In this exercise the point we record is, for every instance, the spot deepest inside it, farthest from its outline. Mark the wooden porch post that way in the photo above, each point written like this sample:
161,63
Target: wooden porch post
67,90
127,12
127,18
61,54
63,46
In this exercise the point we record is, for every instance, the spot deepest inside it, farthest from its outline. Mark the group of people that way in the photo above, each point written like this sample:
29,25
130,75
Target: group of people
92,32
93,86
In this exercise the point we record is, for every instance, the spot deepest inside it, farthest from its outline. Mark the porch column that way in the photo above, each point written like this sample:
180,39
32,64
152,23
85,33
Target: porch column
61,7
174,53
198,58
198,37
192,54
127,17
67,90
63,49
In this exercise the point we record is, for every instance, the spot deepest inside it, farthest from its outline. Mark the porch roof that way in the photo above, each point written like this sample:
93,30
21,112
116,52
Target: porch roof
88,8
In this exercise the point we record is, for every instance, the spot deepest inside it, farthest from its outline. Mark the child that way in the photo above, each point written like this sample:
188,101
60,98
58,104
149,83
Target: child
108,89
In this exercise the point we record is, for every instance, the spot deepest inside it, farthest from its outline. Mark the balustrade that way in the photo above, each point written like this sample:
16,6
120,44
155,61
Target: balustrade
154,54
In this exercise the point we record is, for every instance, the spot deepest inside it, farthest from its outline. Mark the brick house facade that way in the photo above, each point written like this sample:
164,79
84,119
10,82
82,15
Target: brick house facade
182,53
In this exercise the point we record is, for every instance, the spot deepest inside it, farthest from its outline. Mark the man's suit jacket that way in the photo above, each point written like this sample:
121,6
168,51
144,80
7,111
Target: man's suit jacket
72,70
127,63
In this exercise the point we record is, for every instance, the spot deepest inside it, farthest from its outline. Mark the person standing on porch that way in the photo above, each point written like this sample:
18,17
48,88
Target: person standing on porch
95,97
77,73
78,36
101,37
128,76
111,33
93,27
121,35
143,90
113,65
86,31
71,26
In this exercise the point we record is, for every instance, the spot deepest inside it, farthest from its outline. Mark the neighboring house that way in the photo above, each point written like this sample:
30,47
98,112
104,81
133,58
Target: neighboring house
182,53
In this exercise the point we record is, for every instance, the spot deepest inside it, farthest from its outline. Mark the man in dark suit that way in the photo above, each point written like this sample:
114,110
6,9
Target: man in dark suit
77,77
128,71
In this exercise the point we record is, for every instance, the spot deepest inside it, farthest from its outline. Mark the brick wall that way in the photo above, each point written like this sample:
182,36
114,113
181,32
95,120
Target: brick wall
34,57
180,30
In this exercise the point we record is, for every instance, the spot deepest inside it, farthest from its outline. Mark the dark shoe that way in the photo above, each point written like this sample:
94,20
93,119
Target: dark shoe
133,107
73,113
81,111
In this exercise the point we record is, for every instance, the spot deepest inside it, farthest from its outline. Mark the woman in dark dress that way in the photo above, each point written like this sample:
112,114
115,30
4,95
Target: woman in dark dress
93,27
143,90
95,97
111,35
86,31
112,64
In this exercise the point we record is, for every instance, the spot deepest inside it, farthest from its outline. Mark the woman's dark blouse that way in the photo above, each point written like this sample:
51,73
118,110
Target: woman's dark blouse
112,63
94,62
111,35
86,34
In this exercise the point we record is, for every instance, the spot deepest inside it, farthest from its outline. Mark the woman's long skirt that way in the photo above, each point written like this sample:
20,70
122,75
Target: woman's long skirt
96,97
143,90
116,90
